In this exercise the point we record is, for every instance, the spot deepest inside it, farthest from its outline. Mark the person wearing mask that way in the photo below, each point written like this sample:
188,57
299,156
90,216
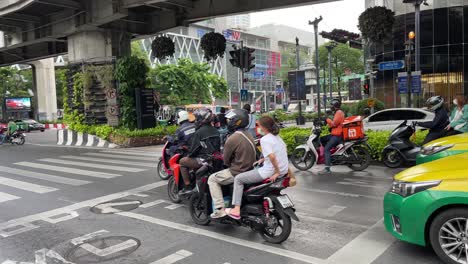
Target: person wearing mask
252,121
275,163
184,132
239,154
204,142
336,134
439,123
459,117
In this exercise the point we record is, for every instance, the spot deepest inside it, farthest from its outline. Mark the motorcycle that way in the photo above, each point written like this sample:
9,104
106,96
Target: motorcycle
18,137
264,209
176,181
163,169
353,152
400,148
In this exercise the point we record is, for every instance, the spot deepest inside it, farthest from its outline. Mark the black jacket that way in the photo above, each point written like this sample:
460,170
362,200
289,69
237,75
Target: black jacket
205,141
440,122
184,133
222,120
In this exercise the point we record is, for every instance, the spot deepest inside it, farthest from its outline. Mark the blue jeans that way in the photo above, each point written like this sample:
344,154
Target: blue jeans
329,142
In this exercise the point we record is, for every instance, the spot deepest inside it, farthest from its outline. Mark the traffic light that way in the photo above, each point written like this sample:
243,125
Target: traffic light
236,58
248,59
366,86
355,44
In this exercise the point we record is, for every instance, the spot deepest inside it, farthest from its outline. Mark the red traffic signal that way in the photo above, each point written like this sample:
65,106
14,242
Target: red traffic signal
366,87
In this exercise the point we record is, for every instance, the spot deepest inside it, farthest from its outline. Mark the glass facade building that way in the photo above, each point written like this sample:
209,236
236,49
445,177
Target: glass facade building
443,53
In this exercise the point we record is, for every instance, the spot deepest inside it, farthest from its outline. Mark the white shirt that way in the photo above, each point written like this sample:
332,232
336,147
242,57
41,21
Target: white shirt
252,121
273,144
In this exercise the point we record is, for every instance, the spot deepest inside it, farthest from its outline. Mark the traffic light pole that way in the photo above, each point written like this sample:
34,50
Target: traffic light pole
300,118
317,73
408,68
242,72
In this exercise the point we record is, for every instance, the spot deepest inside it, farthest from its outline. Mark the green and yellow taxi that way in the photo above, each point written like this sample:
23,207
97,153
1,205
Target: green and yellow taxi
428,205
443,147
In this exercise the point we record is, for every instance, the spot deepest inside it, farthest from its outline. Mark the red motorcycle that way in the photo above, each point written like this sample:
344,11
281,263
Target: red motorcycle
163,170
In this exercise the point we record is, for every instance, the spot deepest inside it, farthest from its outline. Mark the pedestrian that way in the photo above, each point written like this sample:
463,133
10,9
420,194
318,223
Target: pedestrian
458,117
252,121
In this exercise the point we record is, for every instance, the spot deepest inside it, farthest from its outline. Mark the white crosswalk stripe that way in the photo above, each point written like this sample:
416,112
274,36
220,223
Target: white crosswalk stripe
92,165
4,197
107,155
134,153
43,176
36,188
89,173
112,161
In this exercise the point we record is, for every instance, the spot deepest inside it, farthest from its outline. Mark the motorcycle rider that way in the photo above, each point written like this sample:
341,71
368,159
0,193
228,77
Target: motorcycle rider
12,127
439,123
184,132
239,156
205,141
336,134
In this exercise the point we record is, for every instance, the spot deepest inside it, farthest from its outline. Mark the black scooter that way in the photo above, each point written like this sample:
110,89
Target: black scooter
400,149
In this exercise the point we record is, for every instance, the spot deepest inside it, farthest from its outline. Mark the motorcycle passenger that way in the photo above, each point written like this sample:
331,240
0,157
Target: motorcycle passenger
222,118
336,134
275,163
439,123
239,154
184,132
458,117
205,141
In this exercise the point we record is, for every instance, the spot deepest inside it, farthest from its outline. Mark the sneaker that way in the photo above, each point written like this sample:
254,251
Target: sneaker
219,213
325,171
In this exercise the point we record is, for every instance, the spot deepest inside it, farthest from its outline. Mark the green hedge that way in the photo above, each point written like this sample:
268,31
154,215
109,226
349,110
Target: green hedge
377,140
104,131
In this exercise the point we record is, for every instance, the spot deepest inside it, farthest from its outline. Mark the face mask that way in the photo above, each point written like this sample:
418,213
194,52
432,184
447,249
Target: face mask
455,102
260,131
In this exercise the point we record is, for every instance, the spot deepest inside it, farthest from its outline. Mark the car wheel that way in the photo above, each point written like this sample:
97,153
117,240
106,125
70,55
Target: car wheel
449,235
42,130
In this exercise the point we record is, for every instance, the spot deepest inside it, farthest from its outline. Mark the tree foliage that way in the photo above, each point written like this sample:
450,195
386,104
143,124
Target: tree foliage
61,85
16,82
187,83
376,23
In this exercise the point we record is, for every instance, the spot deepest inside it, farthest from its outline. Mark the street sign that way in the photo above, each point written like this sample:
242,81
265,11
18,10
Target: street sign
391,65
258,74
244,95
416,83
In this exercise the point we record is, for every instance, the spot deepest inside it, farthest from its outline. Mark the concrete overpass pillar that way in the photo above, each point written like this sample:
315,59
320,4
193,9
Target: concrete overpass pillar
45,90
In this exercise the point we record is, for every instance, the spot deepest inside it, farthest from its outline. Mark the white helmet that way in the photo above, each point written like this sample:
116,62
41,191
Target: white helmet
183,116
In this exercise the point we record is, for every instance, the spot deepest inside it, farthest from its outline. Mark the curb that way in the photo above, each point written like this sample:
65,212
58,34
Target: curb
67,137
55,126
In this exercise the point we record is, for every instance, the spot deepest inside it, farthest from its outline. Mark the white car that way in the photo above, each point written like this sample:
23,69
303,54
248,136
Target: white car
389,119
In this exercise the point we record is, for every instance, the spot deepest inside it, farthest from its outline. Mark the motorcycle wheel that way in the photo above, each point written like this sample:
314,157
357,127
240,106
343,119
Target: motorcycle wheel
301,160
161,171
283,222
198,209
21,141
392,159
362,153
173,191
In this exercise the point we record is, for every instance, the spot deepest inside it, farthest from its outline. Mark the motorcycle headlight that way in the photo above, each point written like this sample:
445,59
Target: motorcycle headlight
434,149
406,189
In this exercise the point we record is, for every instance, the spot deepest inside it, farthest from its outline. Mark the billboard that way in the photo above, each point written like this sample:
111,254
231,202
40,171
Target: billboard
297,87
15,104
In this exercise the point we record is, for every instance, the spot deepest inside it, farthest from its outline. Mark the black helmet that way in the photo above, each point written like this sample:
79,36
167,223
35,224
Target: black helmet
202,117
237,119
435,102
336,103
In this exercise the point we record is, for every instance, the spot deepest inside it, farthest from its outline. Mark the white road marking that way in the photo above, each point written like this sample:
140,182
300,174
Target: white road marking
26,186
113,161
331,221
4,197
364,249
333,210
150,204
107,208
93,165
89,173
106,155
80,240
174,206
26,221
66,216
43,176
134,153
173,258
360,184
225,238
340,193
103,252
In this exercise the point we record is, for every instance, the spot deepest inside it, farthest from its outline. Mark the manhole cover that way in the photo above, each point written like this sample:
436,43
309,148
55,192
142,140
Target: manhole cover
103,249
116,206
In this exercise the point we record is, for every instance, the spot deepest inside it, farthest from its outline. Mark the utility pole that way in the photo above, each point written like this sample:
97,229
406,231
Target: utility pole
330,47
242,71
315,23
409,47
300,118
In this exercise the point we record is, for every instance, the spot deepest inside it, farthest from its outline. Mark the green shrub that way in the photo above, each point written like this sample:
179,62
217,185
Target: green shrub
159,131
362,105
288,136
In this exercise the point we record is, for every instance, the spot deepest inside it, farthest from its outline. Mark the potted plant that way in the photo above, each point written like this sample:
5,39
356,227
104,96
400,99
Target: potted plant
162,47
213,45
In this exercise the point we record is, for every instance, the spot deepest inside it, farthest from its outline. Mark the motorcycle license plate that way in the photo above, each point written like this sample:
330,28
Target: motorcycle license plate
285,201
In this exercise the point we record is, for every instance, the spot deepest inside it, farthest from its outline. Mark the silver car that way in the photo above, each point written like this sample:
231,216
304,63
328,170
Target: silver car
389,119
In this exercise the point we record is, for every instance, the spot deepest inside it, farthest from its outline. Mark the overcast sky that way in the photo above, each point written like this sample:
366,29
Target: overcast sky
340,14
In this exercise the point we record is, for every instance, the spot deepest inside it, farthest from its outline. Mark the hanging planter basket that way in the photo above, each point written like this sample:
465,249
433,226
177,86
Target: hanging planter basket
162,47
213,45
376,23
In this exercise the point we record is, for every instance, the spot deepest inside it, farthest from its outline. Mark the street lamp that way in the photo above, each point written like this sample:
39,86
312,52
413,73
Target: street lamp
330,47
409,46
315,23
417,13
